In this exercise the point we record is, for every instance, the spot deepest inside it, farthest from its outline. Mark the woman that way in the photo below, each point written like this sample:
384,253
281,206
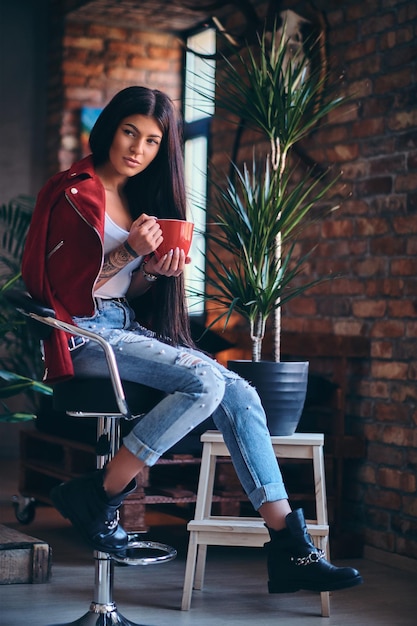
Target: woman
89,255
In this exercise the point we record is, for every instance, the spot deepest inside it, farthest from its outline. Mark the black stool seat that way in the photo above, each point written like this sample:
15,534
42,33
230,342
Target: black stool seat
96,395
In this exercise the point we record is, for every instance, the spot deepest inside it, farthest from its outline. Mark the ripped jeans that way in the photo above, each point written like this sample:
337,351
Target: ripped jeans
197,387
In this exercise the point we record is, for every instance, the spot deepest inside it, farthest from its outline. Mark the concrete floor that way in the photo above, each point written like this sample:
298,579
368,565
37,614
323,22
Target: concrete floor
235,591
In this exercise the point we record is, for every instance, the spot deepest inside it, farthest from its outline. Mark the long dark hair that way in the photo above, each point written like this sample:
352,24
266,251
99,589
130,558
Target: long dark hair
158,190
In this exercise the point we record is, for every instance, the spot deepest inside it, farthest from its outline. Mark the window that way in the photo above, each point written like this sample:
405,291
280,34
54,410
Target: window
198,111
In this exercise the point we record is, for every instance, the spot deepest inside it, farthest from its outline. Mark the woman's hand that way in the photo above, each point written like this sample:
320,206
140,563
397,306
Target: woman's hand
171,264
145,235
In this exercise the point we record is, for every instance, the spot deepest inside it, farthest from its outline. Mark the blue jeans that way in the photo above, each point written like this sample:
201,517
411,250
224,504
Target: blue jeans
197,387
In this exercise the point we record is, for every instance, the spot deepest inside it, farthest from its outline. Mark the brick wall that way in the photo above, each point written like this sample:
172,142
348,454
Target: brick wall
91,62
374,239
371,241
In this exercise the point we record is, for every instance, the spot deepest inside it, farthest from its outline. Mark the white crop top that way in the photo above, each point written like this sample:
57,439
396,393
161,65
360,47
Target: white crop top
117,286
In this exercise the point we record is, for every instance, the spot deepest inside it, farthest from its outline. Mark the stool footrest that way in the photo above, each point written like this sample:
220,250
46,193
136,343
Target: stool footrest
166,553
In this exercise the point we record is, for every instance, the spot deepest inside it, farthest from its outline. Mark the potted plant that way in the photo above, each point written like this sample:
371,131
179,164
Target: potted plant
20,362
253,265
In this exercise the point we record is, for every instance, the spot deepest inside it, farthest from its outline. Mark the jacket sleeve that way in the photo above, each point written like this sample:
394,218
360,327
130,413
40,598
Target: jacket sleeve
57,356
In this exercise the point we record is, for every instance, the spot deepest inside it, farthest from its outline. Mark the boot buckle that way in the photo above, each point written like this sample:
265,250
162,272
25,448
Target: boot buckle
113,523
313,557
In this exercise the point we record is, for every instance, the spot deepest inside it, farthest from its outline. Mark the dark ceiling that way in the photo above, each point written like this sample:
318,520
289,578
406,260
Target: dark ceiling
160,15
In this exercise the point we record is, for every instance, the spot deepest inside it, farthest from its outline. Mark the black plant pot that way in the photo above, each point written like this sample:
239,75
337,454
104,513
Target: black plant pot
282,388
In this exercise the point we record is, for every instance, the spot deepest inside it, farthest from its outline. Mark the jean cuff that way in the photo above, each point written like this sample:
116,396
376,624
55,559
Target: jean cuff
140,450
267,493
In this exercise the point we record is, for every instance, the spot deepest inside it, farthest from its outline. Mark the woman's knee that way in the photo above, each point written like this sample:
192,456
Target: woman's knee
210,385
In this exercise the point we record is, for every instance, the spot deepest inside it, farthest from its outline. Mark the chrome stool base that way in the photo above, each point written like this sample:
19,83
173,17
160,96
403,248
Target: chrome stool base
102,615
103,611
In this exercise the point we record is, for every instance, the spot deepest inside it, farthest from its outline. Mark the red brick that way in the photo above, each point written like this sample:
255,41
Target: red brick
368,127
385,286
124,74
385,455
378,23
360,49
347,286
396,37
394,413
107,32
378,146
400,56
83,69
365,67
377,185
411,248
345,113
348,328
126,48
406,547
87,43
403,267
331,134
389,328
374,107
341,153
335,16
380,539
360,89
399,436
76,29
157,52
402,308
369,308
81,94
388,246
354,207
396,479
337,228
406,182
405,225
383,498
381,350
302,306
367,474
388,164
411,329
150,65
407,12
355,170
378,389
391,370
369,267
345,33
412,161
372,226
404,392
402,120
392,81
361,9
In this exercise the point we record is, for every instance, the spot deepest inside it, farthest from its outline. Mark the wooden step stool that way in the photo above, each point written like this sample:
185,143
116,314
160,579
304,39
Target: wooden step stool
206,529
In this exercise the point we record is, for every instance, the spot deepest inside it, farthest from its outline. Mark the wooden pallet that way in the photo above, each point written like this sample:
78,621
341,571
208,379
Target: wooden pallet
23,559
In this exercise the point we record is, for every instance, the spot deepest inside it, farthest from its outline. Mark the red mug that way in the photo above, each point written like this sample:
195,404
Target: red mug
176,234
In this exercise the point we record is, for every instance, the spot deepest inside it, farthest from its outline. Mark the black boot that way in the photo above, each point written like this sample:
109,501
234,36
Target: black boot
295,563
85,503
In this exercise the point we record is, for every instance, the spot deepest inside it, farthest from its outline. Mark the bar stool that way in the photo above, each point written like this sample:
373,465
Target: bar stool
220,530
108,401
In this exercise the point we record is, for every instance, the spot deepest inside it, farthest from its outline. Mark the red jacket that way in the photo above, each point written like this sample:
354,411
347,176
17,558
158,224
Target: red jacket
63,254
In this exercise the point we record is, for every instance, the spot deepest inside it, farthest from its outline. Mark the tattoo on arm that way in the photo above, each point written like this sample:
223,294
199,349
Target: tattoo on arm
114,261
